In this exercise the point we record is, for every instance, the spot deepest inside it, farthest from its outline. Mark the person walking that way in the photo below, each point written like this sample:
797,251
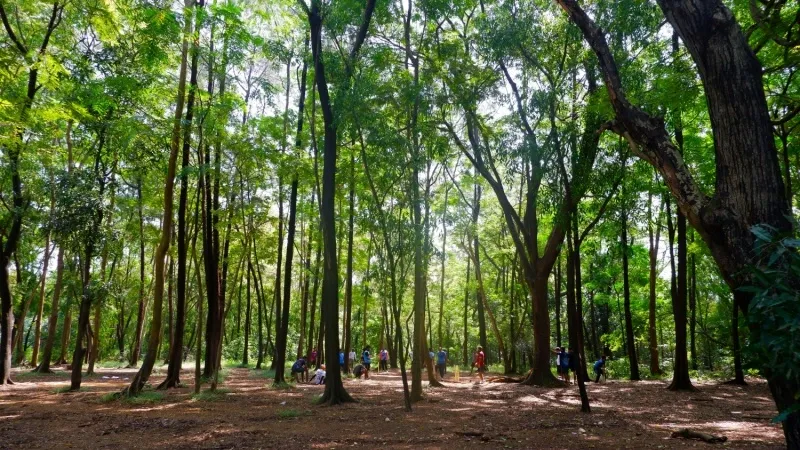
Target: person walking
366,360
480,362
383,363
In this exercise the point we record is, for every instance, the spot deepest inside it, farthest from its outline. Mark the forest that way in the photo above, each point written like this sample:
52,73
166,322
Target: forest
200,197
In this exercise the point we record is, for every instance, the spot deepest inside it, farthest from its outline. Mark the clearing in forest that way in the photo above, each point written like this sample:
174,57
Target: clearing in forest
249,413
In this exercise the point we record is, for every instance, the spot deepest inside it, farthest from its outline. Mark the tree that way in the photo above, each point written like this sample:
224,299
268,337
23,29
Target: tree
138,381
334,391
749,189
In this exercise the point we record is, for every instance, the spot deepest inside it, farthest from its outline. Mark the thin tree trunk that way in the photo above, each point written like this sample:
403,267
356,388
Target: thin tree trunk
141,377
655,369
137,337
631,342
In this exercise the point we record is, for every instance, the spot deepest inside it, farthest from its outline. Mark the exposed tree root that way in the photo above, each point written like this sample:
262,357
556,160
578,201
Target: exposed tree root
686,433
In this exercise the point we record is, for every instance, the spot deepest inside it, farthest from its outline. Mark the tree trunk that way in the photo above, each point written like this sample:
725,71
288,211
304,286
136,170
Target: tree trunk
557,295
280,360
444,259
465,345
141,377
334,390
348,287
627,295
680,377
137,337
40,308
655,369
52,323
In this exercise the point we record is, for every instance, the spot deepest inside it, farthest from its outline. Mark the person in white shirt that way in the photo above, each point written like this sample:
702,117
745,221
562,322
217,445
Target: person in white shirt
352,357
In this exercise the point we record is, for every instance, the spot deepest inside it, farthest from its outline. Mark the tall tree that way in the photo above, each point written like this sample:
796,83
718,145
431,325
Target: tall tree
141,377
748,186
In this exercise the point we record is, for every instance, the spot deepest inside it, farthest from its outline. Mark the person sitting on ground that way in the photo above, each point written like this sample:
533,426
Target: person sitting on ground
319,375
366,360
600,369
383,363
300,370
480,362
358,370
441,362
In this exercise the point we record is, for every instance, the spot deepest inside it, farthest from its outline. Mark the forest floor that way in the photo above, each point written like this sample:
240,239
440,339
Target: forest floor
249,413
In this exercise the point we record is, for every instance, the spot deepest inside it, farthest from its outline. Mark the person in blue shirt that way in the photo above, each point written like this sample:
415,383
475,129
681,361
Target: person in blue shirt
441,362
600,368
366,361
341,360
300,370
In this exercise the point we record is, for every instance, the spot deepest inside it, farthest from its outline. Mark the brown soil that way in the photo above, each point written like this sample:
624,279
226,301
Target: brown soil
251,414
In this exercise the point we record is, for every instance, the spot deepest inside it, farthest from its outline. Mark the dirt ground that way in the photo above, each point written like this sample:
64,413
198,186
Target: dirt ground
251,414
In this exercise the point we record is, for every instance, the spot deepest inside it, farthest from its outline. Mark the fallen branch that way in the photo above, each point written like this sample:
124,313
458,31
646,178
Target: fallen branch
686,433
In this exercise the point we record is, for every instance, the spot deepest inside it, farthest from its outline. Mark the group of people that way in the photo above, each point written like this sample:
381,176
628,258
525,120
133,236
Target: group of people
300,368
568,361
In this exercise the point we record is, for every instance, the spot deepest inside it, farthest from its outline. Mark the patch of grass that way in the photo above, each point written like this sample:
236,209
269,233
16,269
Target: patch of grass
66,389
145,398
269,373
211,396
31,374
281,386
289,414
110,397
223,375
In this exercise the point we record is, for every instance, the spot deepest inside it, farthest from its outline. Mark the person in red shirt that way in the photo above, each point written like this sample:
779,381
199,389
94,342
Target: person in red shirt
480,362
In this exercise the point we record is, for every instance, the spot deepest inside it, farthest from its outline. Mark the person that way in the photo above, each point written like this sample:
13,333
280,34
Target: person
383,363
441,362
358,370
574,363
341,360
366,360
480,362
300,370
319,375
313,359
431,355
557,352
352,357
600,368
565,365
